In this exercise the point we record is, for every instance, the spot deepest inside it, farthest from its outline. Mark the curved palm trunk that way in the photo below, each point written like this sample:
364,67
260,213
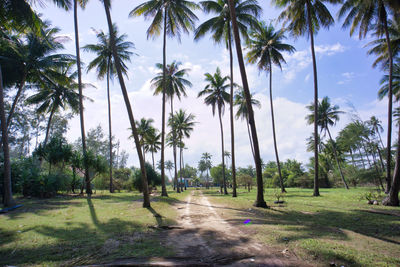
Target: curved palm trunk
78,62
8,200
380,157
337,160
146,198
109,124
366,154
260,202
234,193
390,109
48,126
352,158
249,133
223,149
273,128
378,173
163,187
316,169
16,98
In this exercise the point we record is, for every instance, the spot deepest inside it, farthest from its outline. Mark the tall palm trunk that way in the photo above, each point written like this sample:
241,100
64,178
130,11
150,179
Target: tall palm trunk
380,157
163,188
174,151
337,160
352,158
393,197
366,154
316,170
146,198
46,138
152,157
78,62
380,138
249,133
8,200
16,98
273,128
260,202
361,157
109,124
390,98
234,193
223,149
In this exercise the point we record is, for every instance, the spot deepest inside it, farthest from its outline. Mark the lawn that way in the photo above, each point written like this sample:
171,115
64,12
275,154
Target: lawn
70,230
334,228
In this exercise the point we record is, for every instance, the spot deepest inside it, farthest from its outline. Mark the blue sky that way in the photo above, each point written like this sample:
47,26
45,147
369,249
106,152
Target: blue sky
345,74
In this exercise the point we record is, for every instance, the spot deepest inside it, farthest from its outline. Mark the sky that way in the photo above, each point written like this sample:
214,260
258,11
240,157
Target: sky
345,75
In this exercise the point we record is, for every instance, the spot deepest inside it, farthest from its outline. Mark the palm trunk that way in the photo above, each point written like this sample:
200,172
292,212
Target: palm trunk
352,158
183,164
223,149
260,202
362,158
109,123
316,182
393,198
174,152
390,98
380,137
48,126
180,168
249,133
78,62
380,157
144,152
146,198
152,157
366,154
273,128
163,187
16,98
234,193
378,173
8,200
337,160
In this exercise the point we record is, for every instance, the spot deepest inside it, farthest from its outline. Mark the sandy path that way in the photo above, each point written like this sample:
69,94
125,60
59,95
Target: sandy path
207,238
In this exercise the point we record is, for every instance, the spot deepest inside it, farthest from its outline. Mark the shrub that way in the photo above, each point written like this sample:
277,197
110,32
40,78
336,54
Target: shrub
153,178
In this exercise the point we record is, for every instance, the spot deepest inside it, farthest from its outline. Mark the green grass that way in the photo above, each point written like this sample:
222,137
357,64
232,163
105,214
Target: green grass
335,227
75,230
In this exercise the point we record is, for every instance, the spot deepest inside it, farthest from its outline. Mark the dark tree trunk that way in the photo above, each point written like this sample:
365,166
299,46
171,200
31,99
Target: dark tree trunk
337,160
8,200
163,187
260,202
16,98
223,149
146,198
316,169
109,125
380,157
234,193
78,62
249,133
273,128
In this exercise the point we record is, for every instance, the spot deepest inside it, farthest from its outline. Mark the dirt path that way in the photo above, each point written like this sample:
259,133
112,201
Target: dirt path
207,238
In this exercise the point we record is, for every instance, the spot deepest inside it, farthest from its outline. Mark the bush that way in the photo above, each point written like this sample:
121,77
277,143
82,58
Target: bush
153,178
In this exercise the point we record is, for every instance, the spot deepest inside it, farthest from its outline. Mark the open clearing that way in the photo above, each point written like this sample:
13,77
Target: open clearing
202,227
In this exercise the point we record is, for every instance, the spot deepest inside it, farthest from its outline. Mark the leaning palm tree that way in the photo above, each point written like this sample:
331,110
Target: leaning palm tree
242,112
105,67
173,17
146,197
220,27
305,17
260,202
266,47
216,97
374,15
328,116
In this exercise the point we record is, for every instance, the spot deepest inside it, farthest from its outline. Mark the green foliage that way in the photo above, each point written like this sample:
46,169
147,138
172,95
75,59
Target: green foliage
153,178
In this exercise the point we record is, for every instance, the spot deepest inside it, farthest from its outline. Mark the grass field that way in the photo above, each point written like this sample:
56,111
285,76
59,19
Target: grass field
76,230
66,230
336,227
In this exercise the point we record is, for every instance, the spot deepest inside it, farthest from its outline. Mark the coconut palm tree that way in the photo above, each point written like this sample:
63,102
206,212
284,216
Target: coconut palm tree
216,97
206,158
144,128
105,67
152,143
220,26
146,197
305,17
242,112
265,47
169,165
373,15
328,115
173,17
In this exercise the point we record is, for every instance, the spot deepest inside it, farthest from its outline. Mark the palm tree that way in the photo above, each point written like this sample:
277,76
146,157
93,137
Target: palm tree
305,17
152,143
206,158
144,128
260,202
368,15
265,47
146,198
376,128
183,124
328,115
216,97
173,16
105,66
247,12
242,112
172,141
169,165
